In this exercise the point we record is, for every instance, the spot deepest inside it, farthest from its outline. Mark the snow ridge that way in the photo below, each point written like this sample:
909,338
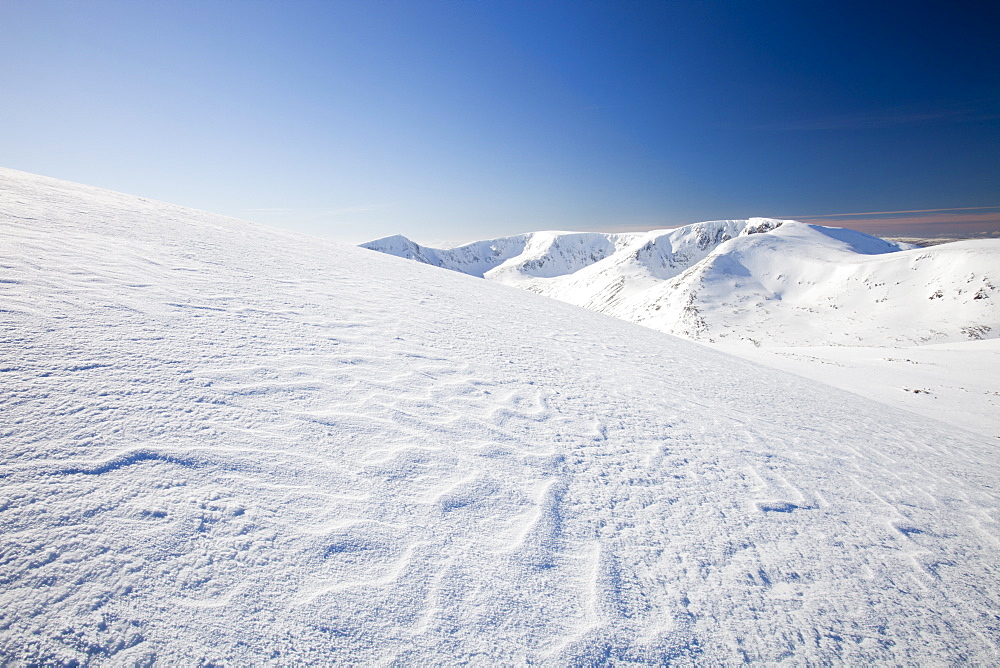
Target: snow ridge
761,281
474,259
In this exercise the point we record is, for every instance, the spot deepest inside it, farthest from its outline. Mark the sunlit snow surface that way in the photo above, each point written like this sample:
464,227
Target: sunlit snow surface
915,328
759,281
224,443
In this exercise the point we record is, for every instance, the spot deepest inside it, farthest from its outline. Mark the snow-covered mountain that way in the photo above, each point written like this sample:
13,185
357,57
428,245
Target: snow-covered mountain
761,281
228,444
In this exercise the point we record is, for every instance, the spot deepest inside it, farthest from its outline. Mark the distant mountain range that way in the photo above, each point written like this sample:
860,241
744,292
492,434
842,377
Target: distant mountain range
762,281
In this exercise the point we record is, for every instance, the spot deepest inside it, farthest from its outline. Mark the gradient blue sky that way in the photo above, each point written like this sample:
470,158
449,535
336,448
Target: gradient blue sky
462,120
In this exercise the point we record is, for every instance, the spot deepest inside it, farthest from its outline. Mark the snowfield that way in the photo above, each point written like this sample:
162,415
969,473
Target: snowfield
229,444
958,383
875,315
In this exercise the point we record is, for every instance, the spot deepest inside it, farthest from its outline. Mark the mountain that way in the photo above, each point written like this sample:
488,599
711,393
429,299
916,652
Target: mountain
760,281
228,444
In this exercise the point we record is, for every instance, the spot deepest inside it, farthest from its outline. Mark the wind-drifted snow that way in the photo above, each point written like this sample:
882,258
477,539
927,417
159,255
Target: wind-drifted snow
230,444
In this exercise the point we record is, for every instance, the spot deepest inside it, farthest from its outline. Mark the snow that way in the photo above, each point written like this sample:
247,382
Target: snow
225,443
958,383
759,281
857,312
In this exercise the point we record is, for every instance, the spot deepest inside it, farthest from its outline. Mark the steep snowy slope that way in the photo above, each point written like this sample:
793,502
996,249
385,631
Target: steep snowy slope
810,285
229,444
771,283
634,263
474,259
660,254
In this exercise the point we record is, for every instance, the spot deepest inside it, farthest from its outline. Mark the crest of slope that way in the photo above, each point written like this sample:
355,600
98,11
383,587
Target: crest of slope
230,444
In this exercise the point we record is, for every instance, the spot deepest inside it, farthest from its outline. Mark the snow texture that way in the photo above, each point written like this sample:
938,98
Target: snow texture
873,314
958,383
229,444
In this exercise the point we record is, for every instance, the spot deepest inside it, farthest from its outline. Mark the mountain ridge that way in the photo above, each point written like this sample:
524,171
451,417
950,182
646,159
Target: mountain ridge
762,281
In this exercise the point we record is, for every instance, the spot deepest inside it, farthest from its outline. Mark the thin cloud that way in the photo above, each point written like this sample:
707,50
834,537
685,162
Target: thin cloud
880,213
894,221
878,120
960,223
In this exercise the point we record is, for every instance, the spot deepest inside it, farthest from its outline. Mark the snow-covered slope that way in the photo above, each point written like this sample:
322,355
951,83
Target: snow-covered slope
760,281
234,445
475,259
958,383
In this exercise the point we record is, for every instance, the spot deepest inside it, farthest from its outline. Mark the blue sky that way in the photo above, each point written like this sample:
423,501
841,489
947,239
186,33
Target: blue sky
461,120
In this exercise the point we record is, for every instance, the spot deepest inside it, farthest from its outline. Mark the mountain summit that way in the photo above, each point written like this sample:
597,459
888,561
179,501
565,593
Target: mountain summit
761,281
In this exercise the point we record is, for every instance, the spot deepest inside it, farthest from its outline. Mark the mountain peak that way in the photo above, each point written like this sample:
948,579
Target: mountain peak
761,280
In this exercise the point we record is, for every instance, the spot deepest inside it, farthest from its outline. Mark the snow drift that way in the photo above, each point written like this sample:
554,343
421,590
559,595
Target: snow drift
230,444
761,281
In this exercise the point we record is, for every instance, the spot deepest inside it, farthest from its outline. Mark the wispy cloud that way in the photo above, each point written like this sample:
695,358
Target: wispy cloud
880,119
960,221
947,218
963,221
880,213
